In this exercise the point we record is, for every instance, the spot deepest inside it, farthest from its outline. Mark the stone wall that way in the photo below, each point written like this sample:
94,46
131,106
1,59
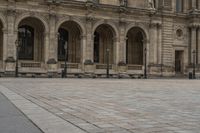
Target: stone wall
165,31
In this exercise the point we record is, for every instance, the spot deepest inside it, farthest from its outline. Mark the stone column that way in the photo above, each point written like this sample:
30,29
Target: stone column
83,48
116,50
5,36
46,46
147,46
193,41
153,48
185,5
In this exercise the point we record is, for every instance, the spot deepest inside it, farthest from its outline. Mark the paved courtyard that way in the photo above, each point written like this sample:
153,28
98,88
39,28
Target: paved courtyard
107,106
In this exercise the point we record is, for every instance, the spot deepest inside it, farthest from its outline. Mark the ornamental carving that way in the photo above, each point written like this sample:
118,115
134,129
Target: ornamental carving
179,32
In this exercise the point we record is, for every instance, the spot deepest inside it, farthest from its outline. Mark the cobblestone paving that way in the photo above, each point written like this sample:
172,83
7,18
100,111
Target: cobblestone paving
117,106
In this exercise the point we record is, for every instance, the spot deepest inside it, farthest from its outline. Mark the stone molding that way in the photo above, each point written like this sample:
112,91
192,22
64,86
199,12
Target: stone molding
194,25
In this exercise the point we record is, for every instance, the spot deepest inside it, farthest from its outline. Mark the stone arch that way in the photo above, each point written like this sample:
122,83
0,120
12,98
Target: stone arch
111,24
31,36
27,15
63,20
142,27
135,46
69,32
104,40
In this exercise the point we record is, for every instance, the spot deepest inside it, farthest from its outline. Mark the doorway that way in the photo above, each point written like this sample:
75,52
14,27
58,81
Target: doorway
179,62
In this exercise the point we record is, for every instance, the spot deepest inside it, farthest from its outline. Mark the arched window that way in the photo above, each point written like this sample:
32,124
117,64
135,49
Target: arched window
135,46
179,5
103,41
70,32
62,39
26,38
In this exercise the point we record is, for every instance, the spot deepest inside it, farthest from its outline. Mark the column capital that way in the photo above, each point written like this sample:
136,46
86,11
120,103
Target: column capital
5,31
83,36
194,25
16,31
153,25
115,39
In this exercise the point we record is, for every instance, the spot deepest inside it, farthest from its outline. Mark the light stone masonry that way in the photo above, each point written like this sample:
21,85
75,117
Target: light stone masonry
91,27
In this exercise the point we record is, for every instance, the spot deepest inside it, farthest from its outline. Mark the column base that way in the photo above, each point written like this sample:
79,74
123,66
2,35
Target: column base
10,67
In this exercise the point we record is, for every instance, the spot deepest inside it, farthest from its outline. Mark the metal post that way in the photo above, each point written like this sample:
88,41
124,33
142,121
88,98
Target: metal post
161,70
194,64
16,67
65,67
145,63
108,64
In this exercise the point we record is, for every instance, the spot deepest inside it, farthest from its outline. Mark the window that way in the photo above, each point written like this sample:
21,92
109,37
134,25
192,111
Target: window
179,5
26,38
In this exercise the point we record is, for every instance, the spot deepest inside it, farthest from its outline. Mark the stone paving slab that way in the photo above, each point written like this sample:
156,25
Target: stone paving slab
111,105
12,120
46,121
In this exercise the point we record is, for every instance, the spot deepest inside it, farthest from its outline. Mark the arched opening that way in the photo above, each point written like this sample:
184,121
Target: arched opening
103,41
135,46
69,32
1,41
31,39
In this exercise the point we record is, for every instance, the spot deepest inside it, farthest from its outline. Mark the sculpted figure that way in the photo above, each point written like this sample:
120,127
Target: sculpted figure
151,3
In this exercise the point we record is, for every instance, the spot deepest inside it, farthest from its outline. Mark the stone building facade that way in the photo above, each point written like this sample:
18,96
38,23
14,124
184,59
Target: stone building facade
163,34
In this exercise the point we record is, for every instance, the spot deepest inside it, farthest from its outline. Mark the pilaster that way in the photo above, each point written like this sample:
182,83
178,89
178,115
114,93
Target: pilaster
198,47
185,5
53,36
46,46
122,44
116,50
198,4
11,35
90,39
194,4
5,38
193,41
83,48
153,49
159,53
